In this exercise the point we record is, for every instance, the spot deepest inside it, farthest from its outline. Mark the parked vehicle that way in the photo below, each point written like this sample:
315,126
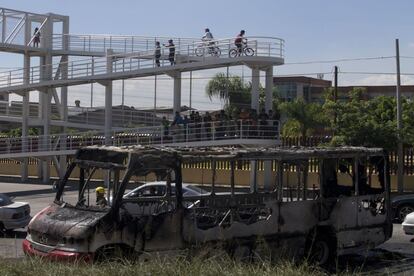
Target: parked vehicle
402,205
344,208
158,188
408,224
13,215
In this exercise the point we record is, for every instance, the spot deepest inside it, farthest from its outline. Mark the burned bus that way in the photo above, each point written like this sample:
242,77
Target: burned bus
321,202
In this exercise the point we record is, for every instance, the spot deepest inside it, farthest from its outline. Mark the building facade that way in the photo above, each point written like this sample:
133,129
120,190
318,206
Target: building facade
313,89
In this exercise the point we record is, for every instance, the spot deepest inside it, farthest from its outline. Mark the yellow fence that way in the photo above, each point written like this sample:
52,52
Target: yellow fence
202,174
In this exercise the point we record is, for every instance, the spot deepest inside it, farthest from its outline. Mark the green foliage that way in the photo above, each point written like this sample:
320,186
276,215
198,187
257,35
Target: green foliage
17,132
214,265
370,123
236,93
303,118
232,90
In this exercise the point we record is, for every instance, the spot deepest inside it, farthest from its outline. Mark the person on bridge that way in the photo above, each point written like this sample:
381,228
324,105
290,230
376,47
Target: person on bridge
208,39
157,53
239,41
36,39
100,196
171,55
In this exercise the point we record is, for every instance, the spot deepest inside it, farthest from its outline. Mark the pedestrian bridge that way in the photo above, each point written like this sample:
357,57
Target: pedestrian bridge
266,52
67,59
219,133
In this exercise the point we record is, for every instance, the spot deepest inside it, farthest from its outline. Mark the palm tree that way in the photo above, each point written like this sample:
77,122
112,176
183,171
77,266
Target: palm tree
230,89
303,117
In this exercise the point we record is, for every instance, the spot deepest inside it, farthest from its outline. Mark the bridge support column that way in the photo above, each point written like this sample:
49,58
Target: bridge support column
255,89
46,97
108,100
255,106
64,97
268,175
177,92
253,176
269,89
4,27
25,119
24,171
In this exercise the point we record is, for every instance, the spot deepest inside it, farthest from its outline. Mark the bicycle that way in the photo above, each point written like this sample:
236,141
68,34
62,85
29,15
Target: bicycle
246,50
211,48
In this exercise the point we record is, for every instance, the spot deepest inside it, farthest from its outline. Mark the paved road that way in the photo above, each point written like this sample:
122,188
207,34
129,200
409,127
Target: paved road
396,256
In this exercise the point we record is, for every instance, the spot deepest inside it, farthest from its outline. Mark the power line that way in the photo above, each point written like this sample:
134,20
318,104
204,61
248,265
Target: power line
339,60
376,73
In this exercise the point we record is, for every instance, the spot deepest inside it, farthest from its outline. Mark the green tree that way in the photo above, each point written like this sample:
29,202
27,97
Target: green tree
232,90
370,123
237,94
303,118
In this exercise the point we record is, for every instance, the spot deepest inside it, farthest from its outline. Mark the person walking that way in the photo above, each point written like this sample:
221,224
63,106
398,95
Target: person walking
36,39
207,124
166,126
171,48
157,53
263,118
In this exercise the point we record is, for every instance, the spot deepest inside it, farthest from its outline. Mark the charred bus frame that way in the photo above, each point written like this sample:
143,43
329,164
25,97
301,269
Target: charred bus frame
324,221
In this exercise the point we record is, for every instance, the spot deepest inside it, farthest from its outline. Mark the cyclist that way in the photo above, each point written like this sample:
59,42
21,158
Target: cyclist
208,39
239,41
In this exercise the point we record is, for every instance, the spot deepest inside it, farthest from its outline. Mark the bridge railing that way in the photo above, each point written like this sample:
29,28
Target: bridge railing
118,43
158,135
194,52
122,116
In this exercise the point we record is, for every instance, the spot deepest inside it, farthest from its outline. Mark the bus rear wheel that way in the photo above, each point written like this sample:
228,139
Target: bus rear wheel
321,249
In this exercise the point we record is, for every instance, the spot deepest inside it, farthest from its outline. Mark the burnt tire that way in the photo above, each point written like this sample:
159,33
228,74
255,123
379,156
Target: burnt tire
403,210
321,249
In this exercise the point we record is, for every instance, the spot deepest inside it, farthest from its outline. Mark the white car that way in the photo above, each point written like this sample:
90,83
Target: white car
13,215
408,224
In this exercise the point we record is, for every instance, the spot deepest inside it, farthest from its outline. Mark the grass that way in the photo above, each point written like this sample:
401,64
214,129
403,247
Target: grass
174,266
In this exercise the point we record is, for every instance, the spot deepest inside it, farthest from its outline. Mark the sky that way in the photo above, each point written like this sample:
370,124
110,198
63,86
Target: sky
315,32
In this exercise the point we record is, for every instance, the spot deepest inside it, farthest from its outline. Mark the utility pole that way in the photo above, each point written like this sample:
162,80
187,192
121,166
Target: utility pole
335,95
400,167
336,84
191,89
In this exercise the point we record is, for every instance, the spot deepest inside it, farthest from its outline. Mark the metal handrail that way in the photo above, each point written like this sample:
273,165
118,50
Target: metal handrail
85,68
158,135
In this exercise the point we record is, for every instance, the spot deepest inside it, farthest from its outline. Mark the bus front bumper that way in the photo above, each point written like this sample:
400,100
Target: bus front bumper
30,249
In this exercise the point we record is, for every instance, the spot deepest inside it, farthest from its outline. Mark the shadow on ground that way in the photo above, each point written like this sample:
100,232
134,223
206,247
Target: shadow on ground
374,262
11,234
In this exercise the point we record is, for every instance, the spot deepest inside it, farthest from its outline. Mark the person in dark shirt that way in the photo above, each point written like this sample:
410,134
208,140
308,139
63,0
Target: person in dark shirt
239,41
178,120
157,53
166,126
36,39
207,124
171,55
263,118
221,124
197,125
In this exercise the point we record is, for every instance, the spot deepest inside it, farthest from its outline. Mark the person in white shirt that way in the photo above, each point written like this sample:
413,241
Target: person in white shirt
208,38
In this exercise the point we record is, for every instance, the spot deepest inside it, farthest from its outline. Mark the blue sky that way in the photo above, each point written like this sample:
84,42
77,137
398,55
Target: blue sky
313,30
